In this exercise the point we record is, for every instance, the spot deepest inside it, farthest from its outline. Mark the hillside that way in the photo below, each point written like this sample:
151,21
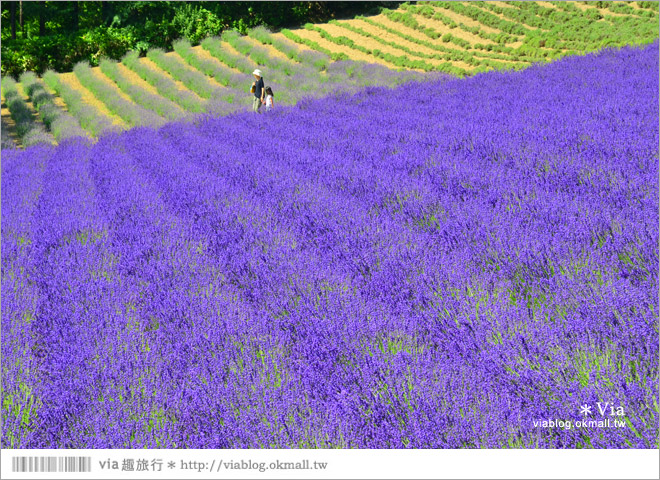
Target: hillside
393,47
377,270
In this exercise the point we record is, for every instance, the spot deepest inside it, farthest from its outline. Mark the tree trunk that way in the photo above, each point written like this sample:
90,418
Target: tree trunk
76,16
12,19
20,18
42,19
106,16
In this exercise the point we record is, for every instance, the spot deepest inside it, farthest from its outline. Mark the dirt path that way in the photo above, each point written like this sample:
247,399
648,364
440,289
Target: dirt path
385,35
136,79
149,63
205,55
233,51
636,6
602,11
458,18
371,43
34,115
547,5
334,48
99,75
401,28
57,100
271,50
501,4
438,26
8,125
72,81
390,37
504,17
35,118
300,46
7,140
209,79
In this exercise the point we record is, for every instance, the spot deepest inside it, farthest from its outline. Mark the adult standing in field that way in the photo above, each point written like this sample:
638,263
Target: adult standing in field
258,90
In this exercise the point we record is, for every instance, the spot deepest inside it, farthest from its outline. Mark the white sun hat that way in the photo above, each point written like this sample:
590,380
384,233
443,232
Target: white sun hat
257,72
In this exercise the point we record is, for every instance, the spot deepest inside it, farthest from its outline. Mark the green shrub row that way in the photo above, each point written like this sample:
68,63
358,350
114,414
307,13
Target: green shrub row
628,10
279,71
484,17
499,38
213,45
377,38
163,84
520,16
566,6
401,61
6,140
260,56
527,53
559,25
194,80
30,132
532,38
317,60
89,117
275,78
219,72
131,113
250,57
503,53
580,30
448,37
428,11
409,21
161,105
561,30
61,124
313,45
655,6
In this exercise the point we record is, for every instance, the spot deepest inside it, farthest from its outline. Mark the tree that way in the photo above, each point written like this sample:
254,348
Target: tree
57,34
12,19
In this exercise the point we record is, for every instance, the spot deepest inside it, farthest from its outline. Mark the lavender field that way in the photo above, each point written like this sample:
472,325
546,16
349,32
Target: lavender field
441,265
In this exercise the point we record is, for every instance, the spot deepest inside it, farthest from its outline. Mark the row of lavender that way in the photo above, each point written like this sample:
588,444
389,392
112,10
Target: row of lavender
216,83
414,271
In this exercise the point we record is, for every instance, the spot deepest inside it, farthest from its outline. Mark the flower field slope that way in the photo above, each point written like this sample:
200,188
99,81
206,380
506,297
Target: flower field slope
381,270
314,60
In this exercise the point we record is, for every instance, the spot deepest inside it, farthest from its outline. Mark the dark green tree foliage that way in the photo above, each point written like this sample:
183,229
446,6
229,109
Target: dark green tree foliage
57,35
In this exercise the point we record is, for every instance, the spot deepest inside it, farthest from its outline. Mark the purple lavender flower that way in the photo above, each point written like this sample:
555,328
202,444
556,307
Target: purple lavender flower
381,269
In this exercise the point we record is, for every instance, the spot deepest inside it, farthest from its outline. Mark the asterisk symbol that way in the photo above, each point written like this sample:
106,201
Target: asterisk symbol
171,465
585,409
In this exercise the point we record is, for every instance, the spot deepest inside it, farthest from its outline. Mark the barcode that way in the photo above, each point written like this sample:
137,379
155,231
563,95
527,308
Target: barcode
51,464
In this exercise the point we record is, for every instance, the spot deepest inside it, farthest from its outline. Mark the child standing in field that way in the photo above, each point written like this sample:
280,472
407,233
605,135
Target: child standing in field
269,99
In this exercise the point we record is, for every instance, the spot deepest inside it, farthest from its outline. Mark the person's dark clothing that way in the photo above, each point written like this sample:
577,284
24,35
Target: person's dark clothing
258,87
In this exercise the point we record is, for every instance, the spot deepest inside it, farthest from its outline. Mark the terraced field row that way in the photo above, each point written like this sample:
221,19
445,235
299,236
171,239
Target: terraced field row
468,37
395,46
